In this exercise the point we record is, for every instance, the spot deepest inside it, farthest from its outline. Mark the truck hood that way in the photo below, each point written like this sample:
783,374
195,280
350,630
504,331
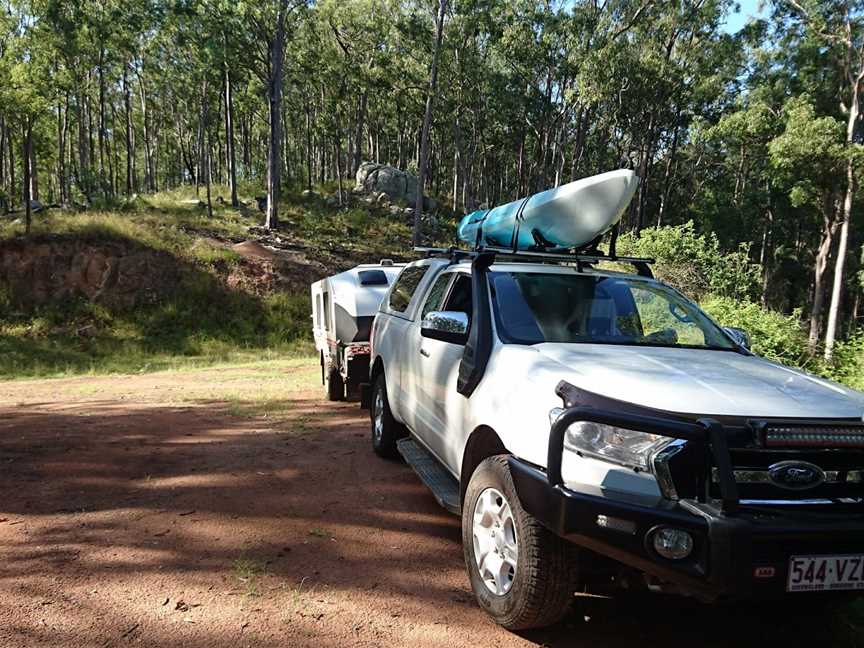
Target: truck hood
695,381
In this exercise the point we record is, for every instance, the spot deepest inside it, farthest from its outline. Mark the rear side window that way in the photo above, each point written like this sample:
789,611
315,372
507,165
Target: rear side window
460,296
405,287
433,301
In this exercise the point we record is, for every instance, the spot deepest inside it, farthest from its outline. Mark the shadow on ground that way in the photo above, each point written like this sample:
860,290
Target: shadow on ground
291,526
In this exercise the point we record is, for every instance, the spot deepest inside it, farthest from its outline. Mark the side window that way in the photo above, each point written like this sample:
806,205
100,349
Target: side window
327,310
405,287
433,300
318,322
459,298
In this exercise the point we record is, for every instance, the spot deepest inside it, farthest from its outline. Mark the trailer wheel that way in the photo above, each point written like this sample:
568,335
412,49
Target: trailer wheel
334,386
522,574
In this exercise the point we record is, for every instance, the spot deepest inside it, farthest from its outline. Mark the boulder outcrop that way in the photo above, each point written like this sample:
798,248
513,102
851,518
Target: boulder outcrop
374,179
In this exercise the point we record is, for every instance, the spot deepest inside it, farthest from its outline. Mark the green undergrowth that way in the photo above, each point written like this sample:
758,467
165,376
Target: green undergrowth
204,325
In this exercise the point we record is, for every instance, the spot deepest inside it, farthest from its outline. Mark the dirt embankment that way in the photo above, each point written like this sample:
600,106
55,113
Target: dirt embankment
116,273
121,273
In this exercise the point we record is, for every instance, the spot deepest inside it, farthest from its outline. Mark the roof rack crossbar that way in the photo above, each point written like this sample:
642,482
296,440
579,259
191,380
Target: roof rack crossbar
455,254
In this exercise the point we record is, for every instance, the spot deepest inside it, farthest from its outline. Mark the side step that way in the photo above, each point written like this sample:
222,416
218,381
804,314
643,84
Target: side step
443,485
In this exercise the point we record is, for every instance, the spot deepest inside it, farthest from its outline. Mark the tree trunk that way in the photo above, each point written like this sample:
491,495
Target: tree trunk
358,137
840,262
823,258
337,144
231,159
11,146
84,177
427,121
149,180
274,103
34,170
4,202
101,126
26,156
61,154
308,146
845,222
131,180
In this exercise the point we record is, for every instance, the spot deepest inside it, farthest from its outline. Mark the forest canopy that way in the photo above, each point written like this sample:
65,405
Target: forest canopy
753,137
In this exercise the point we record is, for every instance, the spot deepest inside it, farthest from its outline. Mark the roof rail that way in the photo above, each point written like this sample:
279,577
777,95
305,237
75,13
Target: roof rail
641,264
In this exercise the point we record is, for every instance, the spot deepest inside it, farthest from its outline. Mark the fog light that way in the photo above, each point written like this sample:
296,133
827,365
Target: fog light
673,544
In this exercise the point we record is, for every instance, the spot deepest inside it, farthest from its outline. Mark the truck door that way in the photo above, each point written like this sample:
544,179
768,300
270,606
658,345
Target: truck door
422,421
438,369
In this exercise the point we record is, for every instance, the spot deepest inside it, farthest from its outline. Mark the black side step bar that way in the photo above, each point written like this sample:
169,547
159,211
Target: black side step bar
443,485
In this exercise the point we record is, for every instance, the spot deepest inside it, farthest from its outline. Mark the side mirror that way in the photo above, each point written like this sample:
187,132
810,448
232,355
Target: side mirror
739,336
447,326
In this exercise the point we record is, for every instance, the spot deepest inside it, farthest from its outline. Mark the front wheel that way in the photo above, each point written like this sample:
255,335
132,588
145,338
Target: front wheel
521,573
386,431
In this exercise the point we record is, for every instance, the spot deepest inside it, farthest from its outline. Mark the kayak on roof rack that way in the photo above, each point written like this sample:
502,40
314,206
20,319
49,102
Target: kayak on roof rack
568,216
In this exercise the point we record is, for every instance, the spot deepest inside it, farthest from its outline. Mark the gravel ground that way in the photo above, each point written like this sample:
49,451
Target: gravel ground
234,507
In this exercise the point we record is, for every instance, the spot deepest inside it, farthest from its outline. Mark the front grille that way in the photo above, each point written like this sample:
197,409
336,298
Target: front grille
800,474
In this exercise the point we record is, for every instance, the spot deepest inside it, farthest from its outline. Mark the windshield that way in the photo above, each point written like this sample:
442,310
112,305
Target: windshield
533,307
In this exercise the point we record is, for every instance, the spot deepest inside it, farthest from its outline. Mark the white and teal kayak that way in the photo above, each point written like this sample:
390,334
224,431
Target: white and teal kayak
568,216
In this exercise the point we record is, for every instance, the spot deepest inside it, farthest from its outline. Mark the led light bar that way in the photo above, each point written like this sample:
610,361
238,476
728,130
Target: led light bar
815,437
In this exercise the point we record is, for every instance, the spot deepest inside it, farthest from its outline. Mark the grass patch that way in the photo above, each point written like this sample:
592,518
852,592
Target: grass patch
204,325
247,571
319,533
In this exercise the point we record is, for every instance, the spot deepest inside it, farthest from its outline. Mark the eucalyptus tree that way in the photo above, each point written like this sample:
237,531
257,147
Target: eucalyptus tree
839,26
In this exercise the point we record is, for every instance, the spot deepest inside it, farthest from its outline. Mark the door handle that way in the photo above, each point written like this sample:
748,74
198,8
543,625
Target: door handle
424,353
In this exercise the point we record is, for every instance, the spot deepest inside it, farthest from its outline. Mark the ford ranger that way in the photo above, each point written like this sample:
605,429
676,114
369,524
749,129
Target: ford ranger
596,428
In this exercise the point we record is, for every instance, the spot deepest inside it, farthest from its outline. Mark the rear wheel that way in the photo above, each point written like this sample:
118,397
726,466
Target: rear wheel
334,386
386,431
521,573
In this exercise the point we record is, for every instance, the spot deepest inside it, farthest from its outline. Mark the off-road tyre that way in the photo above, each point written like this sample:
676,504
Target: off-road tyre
385,436
544,584
334,386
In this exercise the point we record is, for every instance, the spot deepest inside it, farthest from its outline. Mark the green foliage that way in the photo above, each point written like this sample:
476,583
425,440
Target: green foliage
848,365
773,335
204,324
694,263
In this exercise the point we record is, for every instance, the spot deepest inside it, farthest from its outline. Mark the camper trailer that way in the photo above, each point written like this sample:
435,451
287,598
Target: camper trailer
343,307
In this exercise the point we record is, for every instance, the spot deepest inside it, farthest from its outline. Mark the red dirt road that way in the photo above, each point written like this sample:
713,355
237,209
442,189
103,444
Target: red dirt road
184,509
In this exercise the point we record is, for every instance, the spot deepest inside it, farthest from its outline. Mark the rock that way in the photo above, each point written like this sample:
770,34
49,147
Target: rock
262,203
376,178
331,201
358,190
395,210
308,194
36,206
383,200
429,204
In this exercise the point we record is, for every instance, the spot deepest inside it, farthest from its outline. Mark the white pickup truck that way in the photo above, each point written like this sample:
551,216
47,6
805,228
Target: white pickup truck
596,427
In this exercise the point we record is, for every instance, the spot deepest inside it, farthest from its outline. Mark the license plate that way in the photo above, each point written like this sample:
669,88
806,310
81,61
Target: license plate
825,573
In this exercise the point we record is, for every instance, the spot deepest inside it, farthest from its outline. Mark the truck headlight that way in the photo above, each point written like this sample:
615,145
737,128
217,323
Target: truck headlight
619,445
